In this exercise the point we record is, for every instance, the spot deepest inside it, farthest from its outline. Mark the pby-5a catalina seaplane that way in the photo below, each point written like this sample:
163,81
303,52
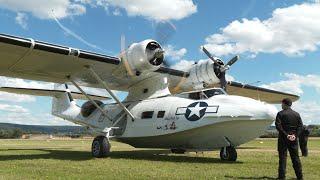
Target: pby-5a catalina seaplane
165,108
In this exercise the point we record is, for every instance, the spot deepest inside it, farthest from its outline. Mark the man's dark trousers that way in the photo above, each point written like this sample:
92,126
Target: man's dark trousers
283,145
303,142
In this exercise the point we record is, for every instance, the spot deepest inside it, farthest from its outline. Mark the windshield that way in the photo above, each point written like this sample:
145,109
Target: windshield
213,92
205,94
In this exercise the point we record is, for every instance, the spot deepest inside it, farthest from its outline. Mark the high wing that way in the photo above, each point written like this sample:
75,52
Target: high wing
235,88
259,93
36,60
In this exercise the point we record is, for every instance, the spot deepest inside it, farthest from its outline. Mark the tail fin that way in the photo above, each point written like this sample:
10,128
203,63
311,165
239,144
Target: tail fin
63,104
63,101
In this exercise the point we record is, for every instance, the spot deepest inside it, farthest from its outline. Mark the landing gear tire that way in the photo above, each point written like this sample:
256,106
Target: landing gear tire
228,154
100,147
178,151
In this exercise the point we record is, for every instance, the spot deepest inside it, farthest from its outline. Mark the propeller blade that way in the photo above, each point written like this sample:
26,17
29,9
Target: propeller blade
123,51
233,60
165,63
164,31
223,81
209,55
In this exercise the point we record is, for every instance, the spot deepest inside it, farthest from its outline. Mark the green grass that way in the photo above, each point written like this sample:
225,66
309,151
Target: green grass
71,159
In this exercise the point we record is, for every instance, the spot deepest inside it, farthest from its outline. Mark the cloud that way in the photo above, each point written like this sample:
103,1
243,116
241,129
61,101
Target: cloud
42,9
9,97
175,54
230,78
154,10
294,83
288,31
5,81
13,108
183,65
315,1
159,11
309,111
21,19
116,12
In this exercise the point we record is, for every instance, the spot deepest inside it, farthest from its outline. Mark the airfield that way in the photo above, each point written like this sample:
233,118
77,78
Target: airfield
71,159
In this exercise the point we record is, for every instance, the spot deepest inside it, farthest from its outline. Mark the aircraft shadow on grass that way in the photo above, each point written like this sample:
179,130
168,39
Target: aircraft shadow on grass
150,155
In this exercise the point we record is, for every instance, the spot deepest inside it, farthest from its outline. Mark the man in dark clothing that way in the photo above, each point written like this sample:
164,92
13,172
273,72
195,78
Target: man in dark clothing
303,140
289,125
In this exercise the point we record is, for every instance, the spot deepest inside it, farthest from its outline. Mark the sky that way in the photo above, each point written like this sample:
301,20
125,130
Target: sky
278,42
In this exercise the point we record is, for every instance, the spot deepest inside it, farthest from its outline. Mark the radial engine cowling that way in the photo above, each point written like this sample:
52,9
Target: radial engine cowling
201,74
145,56
88,108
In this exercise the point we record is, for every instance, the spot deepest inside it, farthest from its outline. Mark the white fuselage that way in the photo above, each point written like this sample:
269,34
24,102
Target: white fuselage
203,124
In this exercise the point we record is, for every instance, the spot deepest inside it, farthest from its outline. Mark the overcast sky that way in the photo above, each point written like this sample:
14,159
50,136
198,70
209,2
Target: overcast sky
278,41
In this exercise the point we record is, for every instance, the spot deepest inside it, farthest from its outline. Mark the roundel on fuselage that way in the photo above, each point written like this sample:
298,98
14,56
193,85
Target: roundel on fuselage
196,111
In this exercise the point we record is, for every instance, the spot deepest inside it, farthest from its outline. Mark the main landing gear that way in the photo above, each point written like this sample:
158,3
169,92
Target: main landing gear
228,153
100,147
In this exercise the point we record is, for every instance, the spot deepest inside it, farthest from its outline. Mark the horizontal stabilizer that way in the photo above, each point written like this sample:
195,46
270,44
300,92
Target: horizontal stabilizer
47,92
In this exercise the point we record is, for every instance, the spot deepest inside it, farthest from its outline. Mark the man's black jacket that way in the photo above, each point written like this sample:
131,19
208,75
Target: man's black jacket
288,122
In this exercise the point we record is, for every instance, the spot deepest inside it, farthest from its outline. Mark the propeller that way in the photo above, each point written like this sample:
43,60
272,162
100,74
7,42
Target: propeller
164,31
124,57
156,54
220,68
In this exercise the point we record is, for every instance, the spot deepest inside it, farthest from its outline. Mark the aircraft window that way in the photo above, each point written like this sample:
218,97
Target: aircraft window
213,92
197,95
147,115
161,114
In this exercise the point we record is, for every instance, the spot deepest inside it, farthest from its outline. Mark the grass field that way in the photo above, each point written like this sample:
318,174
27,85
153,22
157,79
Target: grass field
71,159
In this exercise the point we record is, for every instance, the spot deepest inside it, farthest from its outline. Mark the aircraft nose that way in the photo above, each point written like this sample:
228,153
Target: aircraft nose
261,110
270,111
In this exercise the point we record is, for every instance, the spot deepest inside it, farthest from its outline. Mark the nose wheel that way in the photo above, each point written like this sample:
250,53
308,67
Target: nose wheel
100,147
228,154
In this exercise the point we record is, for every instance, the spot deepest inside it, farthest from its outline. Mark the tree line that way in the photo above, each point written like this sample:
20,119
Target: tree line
11,133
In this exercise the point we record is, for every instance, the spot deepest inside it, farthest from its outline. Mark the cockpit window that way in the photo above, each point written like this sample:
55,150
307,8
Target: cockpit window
202,94
213,92
198,95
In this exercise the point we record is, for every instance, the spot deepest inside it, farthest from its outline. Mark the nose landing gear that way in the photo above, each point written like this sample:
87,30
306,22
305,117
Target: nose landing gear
228,153
100,147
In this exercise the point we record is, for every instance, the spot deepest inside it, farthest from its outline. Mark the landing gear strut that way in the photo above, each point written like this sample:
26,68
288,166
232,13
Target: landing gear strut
100,147
228,153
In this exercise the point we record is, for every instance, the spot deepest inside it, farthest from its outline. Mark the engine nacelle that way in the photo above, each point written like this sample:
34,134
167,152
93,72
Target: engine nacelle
144,56
88,108
201,74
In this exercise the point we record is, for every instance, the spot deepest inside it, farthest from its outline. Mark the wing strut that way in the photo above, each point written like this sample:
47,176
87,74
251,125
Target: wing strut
104,84
89,98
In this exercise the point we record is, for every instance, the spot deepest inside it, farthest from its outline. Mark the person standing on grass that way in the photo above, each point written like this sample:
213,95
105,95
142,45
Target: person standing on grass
303,141
289,125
